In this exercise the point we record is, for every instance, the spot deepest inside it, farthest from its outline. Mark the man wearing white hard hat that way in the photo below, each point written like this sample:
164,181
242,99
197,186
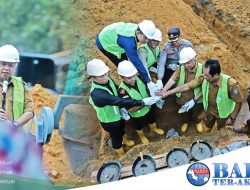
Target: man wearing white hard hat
188,70
133,87
118,42
107,104
149,54
17,106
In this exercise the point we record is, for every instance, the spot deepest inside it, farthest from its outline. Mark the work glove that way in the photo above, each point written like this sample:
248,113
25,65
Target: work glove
149,101
124,114
187,106
159,85
152,88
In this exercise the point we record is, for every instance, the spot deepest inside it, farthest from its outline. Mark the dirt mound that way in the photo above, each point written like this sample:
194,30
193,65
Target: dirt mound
94,15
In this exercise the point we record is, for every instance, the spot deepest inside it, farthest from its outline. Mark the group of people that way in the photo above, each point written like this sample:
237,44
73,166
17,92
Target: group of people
149,74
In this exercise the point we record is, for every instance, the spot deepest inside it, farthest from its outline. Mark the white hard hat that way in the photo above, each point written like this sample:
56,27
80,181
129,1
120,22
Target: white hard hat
157,35
186,54
126,69
97,67
8,53
147,27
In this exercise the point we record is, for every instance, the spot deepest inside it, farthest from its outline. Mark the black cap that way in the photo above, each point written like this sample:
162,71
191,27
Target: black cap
173,34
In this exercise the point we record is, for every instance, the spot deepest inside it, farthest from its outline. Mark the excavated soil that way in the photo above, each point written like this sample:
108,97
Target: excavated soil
218,30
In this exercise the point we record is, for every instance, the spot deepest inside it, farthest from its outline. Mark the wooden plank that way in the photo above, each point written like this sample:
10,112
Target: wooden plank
126,171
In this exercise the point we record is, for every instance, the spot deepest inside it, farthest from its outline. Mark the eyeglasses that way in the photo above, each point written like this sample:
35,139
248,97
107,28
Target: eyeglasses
10,65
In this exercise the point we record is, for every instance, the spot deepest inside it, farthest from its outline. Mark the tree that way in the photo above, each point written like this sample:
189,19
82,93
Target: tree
36,25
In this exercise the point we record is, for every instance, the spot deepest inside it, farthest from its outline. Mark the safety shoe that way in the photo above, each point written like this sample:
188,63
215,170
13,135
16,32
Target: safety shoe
205,128
153,128
199,127
142,136
127,142
184,127
120,151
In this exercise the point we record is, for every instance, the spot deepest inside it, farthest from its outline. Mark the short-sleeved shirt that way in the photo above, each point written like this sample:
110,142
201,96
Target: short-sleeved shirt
233,92
189,94
169,57
28,103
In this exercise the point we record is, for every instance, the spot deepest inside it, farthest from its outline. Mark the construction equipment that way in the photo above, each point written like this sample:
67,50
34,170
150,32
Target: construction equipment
109,171
49,119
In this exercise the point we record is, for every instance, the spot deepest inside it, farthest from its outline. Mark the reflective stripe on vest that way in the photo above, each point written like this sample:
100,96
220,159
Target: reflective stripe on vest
134,94
181,81
152,56
18,97
109,35
107,113
224,103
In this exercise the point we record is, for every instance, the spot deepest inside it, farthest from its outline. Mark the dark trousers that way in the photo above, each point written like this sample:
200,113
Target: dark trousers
116,132
111,57
167,75
149,118
248,101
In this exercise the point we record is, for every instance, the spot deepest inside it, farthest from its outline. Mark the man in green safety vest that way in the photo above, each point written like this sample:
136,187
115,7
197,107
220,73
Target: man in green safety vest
133,87
222,98
118,42
188,70
17,106
107,104
149,54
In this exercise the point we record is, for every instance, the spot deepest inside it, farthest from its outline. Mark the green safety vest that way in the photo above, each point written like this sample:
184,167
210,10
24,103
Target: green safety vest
224,103
18,97
181,81
109,35
134,94
152,56
107,113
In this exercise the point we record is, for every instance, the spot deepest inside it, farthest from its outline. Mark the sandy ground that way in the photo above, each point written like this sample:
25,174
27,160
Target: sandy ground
218,30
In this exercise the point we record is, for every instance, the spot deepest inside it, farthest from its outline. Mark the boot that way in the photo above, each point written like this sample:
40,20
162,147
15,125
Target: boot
120,151
205,128
142,136
199,127
184,127
126,141
153,128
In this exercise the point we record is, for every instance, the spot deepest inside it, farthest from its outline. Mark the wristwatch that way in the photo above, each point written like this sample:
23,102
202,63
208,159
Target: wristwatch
15,123
232,119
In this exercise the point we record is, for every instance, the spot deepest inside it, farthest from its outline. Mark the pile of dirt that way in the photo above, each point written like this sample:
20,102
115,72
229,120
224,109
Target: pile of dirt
92,16
56,164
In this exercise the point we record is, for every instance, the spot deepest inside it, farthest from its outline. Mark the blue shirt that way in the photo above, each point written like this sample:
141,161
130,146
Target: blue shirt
129,44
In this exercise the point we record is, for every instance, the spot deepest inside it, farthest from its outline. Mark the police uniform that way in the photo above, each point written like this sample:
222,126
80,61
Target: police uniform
212,113
28,104
196,112
169,56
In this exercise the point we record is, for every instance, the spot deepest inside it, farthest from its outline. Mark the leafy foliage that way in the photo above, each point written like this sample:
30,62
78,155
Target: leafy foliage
36,25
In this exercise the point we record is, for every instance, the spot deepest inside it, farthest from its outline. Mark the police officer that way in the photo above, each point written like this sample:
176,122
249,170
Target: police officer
118,42
149,54
189,69
169,56
133,87
18,107
222,98
106,102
